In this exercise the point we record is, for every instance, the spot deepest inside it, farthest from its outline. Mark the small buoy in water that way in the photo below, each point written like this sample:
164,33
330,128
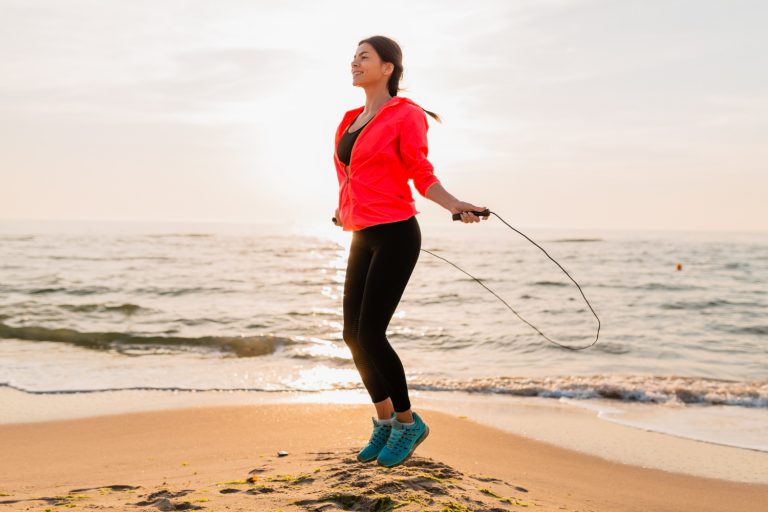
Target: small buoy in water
679,266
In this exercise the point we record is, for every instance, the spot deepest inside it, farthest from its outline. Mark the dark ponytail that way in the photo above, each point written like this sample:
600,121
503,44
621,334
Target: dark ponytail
389,51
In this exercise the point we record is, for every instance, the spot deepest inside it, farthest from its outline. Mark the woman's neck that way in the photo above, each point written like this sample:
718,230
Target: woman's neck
374,101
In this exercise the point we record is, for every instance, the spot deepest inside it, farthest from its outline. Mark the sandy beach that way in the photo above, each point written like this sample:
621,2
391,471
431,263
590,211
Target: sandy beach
226,458
227,228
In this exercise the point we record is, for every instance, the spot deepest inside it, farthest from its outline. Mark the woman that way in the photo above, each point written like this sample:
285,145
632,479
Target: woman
378,148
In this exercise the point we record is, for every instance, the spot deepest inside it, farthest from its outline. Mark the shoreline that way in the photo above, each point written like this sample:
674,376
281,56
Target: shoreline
557,423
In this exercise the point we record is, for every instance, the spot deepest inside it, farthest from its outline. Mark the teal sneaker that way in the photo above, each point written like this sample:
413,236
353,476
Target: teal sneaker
402,442
378,440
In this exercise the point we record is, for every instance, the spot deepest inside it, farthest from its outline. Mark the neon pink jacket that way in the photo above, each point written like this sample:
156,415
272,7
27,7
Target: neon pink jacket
390,150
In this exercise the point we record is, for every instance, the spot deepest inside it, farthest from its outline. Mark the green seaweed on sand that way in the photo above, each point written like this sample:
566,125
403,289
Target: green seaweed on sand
515,501
291,479
379,503
72,497
432,477
232,482
303,477
416,499
455,507
511,500
489,492
346,501
385,503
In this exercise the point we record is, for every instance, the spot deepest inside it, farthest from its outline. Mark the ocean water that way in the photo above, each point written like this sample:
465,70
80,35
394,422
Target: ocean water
90,307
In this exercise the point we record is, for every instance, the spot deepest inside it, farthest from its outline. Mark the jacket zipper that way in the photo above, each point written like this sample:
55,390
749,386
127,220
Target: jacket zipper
386,105
346,171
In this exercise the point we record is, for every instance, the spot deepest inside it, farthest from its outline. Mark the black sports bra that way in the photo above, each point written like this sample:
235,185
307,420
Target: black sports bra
344,150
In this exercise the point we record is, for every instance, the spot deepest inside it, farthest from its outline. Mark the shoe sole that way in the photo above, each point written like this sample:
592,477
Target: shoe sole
371,458
368,460
417,443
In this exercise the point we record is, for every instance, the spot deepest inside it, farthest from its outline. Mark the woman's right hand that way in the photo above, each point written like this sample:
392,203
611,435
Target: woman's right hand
337,221
467,211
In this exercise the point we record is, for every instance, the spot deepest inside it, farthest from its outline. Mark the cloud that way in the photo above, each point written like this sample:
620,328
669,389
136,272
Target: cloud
197,82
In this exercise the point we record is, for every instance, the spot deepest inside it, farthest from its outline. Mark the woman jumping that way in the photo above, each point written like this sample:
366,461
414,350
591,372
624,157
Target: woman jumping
378,147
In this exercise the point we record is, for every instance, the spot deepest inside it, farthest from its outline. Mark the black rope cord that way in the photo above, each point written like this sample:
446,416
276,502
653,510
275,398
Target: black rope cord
597,335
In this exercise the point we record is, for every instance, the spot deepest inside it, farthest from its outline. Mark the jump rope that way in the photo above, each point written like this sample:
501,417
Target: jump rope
486,213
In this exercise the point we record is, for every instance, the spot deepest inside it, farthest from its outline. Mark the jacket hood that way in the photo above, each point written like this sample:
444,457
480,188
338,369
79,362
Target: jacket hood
395,100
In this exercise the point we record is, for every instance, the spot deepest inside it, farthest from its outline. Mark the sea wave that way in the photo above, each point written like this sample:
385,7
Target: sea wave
759,330
134,344
576,240
706,304
549,283
648,388
88,290
127,308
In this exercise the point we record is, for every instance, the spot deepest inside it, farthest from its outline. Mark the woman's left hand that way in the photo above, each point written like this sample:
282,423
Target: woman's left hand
466,209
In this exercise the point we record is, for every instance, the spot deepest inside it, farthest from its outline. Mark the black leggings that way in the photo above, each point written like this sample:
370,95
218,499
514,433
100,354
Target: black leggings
381,260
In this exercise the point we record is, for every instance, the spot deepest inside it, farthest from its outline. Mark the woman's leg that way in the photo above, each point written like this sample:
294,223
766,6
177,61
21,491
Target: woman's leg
358,265
384,409
396,248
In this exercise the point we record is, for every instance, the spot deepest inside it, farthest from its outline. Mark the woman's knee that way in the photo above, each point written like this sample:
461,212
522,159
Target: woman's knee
351,337
370,337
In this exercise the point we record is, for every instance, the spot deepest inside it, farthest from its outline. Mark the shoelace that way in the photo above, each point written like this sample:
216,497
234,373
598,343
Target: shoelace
379,433
396,440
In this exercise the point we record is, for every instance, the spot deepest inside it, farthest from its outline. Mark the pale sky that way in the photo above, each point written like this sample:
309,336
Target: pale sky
562,114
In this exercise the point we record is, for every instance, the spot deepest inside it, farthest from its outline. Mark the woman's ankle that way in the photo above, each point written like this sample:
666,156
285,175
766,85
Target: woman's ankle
405,417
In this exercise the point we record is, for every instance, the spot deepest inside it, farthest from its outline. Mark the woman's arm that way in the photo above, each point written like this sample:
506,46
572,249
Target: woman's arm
437,193
414,149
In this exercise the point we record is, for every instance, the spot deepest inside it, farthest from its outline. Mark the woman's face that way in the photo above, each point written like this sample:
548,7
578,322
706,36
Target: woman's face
367,67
